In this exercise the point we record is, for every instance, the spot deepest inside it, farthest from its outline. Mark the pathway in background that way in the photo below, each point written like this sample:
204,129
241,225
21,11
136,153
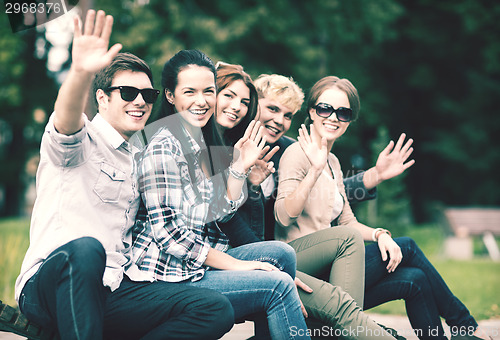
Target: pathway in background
400,323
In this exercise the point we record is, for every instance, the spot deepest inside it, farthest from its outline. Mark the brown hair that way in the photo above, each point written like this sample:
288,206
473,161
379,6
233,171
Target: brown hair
122,62
330,82
226,75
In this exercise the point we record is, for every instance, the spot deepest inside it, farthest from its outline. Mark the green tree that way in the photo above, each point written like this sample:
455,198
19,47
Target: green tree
392,208
430,69
440,79
25,87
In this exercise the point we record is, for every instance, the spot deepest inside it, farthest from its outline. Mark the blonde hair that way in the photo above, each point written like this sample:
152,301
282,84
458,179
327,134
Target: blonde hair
280,88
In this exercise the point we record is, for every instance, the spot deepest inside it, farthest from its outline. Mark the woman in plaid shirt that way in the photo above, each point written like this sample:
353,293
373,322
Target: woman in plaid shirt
187,190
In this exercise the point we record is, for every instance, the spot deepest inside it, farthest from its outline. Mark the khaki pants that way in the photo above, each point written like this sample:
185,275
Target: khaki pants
336,255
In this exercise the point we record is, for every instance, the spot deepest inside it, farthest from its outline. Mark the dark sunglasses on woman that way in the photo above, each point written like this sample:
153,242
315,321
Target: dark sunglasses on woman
325,110
129,93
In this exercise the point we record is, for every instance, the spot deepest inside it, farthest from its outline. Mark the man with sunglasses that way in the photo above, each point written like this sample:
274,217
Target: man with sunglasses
72,278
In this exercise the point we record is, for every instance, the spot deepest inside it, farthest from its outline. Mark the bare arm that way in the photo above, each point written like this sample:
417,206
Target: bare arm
220,260
90,54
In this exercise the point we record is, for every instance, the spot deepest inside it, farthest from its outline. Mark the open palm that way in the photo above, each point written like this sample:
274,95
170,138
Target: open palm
317,154
263,166
90,48
391,161
249,148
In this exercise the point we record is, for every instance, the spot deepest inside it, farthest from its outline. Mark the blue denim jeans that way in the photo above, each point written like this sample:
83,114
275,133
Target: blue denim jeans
257,291
426,295
67,294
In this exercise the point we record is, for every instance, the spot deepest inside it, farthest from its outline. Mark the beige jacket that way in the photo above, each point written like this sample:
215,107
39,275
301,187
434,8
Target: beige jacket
317,213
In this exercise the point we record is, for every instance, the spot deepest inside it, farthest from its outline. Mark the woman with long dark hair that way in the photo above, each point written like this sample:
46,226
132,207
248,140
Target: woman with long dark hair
187,191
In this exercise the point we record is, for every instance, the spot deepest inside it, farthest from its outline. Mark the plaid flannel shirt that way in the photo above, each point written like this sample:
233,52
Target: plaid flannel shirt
172,242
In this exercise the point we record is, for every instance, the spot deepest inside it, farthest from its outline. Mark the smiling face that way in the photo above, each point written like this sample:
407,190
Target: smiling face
126,117
275,117
330,128
232,104
194,96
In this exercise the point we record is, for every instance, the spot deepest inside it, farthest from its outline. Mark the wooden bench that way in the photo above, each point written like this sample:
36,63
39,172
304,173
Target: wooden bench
483,222
12,321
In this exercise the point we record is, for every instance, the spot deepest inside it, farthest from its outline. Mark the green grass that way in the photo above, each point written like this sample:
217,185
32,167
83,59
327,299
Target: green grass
476,282
14,241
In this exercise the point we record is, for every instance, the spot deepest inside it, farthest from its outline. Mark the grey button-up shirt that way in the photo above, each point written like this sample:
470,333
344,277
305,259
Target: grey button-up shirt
86,186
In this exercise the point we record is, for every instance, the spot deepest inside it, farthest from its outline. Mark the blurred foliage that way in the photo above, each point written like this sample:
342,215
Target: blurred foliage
25,88
391,208
427,68
13,245
431,69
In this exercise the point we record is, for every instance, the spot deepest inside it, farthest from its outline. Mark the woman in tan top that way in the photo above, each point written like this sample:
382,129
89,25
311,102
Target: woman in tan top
311,196
312,199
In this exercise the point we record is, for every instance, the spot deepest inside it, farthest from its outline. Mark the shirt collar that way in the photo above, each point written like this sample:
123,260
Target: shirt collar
195,147
108,132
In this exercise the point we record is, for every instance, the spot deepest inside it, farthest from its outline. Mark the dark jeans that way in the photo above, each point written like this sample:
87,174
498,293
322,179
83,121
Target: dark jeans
426,295
67,293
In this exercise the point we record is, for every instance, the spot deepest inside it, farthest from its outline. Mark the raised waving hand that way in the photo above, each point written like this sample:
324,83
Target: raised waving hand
263,166
90,46
246,153
391,161
89,55
249,148
317,154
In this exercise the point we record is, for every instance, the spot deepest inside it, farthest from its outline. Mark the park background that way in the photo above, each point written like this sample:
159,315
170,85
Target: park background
428,68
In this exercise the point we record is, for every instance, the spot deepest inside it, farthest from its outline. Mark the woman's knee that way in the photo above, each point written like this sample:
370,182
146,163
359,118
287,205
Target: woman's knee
346,233
417,282
408,246
353,234
280,281
287,254
285,249
354,241
406,242
281,255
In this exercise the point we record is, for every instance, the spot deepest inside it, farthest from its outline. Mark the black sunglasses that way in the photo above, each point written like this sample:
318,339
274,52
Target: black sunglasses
325,110
129,93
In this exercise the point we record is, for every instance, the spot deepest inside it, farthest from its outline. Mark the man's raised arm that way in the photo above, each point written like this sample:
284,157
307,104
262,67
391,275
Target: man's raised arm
90,54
